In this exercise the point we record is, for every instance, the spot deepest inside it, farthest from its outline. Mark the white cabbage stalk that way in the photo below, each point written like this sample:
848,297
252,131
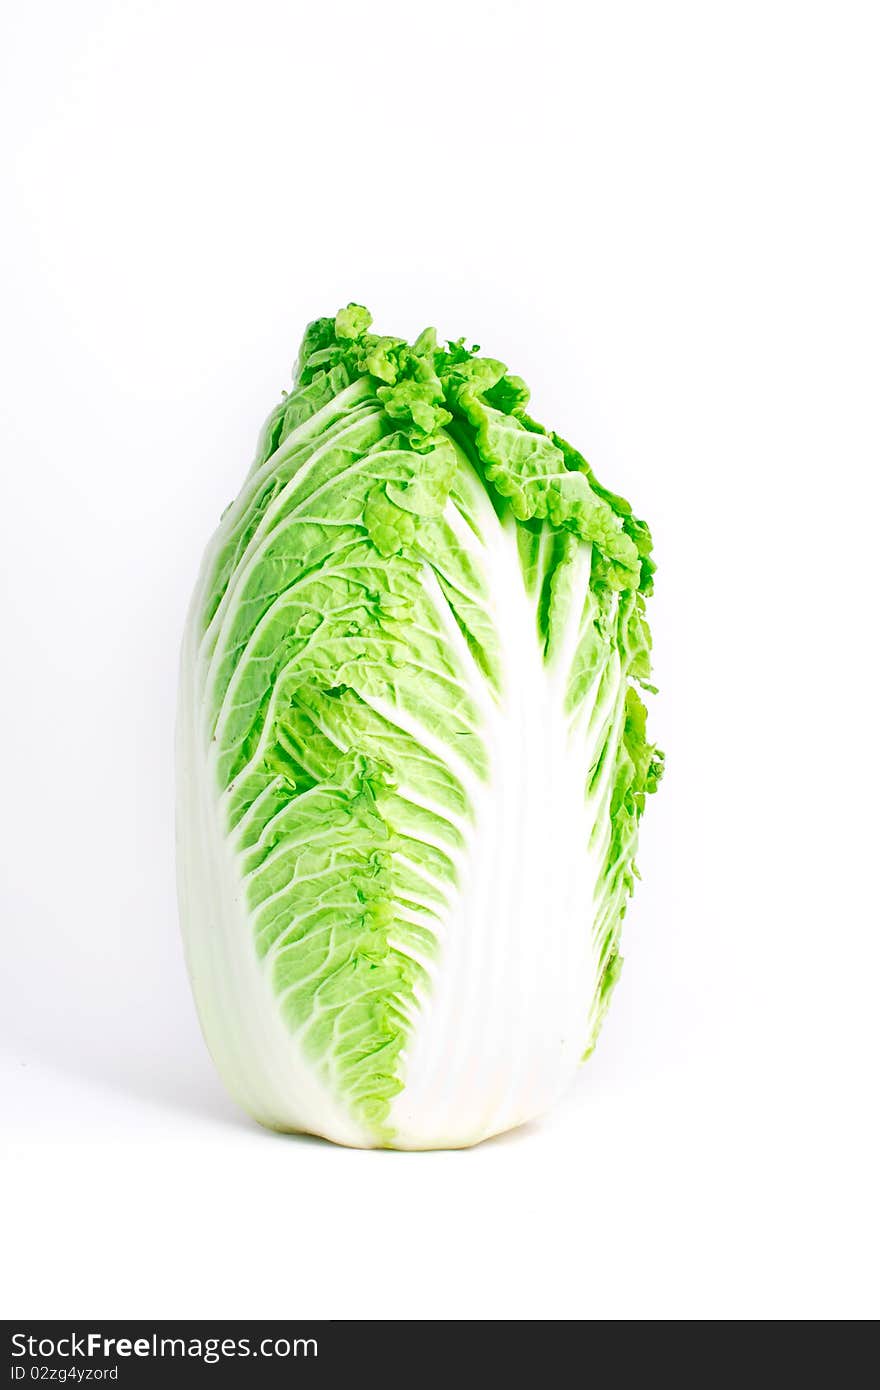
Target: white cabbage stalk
411,754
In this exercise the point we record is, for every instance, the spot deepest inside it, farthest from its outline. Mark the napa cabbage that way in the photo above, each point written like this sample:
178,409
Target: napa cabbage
412,750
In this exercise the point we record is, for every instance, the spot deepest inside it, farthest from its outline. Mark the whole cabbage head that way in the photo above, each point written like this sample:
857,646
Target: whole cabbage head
412,754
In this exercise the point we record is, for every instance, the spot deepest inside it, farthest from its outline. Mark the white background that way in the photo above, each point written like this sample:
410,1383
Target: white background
664,217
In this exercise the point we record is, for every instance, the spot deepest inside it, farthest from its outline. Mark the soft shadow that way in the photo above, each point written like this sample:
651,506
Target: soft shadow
170,1084
170,1079
170,1071
186,1084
